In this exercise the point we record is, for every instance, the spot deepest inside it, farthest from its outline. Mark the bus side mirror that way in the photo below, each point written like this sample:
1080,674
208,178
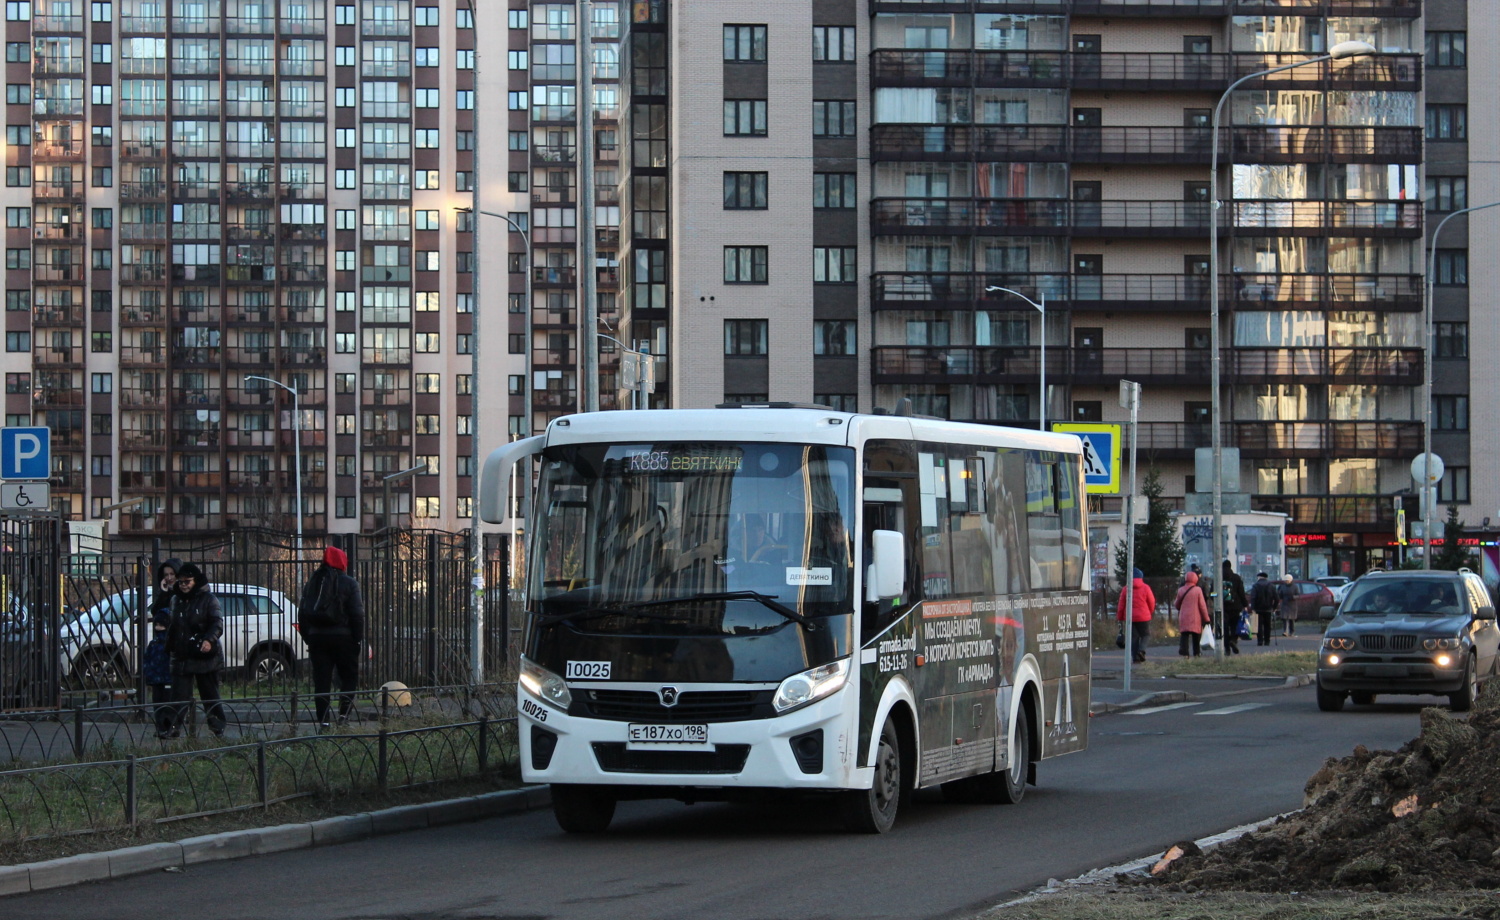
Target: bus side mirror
499,467
887,571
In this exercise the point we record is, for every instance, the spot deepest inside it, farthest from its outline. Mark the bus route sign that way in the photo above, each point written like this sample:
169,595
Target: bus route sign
1101,455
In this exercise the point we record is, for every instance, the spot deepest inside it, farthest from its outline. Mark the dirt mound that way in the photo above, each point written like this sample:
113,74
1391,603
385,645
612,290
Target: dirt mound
1424,817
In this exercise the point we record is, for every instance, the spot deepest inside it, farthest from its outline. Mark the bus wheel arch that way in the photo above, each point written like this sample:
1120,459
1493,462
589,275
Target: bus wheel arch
874,810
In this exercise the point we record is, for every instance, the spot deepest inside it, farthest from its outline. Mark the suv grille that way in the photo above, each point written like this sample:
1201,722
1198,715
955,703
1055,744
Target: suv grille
692,706
1378,642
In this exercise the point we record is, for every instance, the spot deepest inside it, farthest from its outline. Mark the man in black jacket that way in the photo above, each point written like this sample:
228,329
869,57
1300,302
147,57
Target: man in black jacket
1234,605
331,618
195,640
1263,601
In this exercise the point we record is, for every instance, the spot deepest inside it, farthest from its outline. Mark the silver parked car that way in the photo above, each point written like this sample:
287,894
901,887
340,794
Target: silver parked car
97,648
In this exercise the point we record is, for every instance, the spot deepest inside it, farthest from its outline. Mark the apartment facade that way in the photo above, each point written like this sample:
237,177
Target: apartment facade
866,195
203,193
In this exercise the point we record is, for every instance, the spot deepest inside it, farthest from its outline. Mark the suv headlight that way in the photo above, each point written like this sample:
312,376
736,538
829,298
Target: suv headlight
1339,643
810,685
1433,645
544,685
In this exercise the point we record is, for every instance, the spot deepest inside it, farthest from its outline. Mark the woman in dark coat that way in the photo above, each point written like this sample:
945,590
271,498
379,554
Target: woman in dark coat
157,662
197,650
1286,597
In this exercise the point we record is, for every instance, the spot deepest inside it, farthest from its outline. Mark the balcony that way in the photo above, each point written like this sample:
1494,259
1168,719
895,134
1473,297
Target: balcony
148,191
547,275
553,154
46,150
1160,366
137,356
1142,71
1036,216
1324,513
1215,8
142,481
143,440
1159,292
1156,144
1287,440
56,355
143,272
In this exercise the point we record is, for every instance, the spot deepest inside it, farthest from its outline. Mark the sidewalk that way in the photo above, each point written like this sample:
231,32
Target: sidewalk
1109,693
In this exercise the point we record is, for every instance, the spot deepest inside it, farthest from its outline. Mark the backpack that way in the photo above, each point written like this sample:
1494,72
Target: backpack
324,611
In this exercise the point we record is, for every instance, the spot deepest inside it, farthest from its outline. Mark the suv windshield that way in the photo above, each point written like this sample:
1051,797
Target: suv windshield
693,538
1423,596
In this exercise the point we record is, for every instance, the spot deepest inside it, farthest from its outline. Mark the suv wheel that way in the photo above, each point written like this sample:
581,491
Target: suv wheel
1330,700
1462,699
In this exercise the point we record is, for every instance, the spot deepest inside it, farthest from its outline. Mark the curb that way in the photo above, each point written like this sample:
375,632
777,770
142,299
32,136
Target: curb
154,857
1165,697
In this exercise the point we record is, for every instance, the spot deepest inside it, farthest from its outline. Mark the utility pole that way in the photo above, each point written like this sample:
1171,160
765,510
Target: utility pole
588,309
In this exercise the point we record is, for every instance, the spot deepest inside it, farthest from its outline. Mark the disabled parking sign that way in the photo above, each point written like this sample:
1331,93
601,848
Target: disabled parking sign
1101,455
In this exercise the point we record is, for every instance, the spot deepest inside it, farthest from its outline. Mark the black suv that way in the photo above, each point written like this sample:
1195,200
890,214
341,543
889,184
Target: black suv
1409,632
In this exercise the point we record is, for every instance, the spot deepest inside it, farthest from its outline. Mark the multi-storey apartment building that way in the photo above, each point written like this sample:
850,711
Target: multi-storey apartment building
850,182
202,192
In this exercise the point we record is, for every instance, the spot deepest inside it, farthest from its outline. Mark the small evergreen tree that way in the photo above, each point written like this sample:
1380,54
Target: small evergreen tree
1158,550
1452,556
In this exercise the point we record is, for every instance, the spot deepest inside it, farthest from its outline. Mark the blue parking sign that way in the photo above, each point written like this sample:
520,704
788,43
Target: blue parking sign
25,453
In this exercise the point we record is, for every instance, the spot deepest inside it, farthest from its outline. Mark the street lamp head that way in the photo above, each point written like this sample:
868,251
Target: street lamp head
1350,49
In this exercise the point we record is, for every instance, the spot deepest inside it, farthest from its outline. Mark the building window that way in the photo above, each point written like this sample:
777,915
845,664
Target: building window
18,93
428,343
1452,267
424,16
345,56
516,60
1450,413
104,176
102,53
344,97
427,138
744,118
428,179
745,336
833,118
18,341
343,423
344,506
1447,49
745,191
103,135
463,19
343,14
429,301
103,259
740,399
18,176
102,94
1453,488
517,384
346,383
517,343
833,337
18,11
344,138
17,301
20,384
519,140
428,424
343,219
464,384
745,43
839,402
101,342
102,301
518,19
103,218
834,264
18,135
101,383
344,343
18,217
1451,340
465,343
1447,122
17,52
343,301
743,264
1447,193
344,178
833,190
833,43
101,11
517,182
429,383
101,423
18,258
102,466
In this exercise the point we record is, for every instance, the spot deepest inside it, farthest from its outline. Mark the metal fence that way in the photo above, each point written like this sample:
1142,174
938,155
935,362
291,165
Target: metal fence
72,623
134,790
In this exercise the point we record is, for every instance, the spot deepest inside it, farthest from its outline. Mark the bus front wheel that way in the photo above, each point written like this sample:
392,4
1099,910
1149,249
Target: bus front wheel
582,809
873,810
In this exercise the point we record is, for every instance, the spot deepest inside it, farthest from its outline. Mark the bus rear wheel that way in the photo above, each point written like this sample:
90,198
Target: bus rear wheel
873,810
1010,786
582,809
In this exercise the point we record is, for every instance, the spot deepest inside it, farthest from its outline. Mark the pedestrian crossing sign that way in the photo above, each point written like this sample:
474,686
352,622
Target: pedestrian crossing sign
1101,455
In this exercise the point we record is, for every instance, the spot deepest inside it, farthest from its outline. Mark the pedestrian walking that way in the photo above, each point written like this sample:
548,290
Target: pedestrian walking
1286,598
1141,611
1234,606
331,618
156,662
1192,616
195,640
1263,604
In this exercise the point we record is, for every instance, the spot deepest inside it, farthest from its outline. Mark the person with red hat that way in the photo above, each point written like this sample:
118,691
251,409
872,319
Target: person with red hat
331,618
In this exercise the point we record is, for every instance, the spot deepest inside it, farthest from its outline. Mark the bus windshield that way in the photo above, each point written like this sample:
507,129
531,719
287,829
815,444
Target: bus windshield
649,537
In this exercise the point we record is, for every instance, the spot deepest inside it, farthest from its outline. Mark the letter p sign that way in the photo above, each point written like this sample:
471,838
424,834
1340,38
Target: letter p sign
25,453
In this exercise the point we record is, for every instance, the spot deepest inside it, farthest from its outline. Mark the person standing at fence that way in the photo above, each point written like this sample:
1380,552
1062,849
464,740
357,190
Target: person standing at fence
156,663
196,640
331,618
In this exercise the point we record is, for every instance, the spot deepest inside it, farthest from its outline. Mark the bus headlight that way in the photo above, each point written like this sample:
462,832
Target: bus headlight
544,685
810,685
1433,645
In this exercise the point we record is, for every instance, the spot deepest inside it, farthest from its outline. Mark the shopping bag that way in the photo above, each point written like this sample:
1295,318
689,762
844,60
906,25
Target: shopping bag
1120,637
1245,625
1208,637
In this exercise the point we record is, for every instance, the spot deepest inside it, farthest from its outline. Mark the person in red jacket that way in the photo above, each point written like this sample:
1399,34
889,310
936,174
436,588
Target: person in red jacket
1192,615
1144,604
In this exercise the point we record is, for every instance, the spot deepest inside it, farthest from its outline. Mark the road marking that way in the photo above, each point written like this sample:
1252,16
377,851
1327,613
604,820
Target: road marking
1230,710
1155,709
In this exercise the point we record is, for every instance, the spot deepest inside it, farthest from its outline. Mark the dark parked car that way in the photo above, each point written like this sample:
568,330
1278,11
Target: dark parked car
1312,597
1410,632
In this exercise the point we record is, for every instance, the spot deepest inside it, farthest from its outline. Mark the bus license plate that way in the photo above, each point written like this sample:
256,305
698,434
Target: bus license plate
651,736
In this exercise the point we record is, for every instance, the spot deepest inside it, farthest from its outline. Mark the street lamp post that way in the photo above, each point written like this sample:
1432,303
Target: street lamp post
1042,356
296,448
476,538
1429,498
1339,52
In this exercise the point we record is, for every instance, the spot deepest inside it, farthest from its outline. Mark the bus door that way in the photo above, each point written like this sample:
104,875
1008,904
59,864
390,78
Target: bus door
887,631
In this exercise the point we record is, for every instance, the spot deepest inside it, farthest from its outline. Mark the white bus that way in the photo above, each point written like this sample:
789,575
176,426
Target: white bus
728,601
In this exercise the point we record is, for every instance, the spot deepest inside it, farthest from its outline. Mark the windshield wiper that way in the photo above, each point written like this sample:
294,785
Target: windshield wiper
591,613
766,600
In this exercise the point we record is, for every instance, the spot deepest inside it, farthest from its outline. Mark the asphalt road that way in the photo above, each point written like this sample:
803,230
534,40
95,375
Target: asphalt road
1149,779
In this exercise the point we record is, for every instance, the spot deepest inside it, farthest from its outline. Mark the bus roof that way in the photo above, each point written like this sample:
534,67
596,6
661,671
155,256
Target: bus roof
797,424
